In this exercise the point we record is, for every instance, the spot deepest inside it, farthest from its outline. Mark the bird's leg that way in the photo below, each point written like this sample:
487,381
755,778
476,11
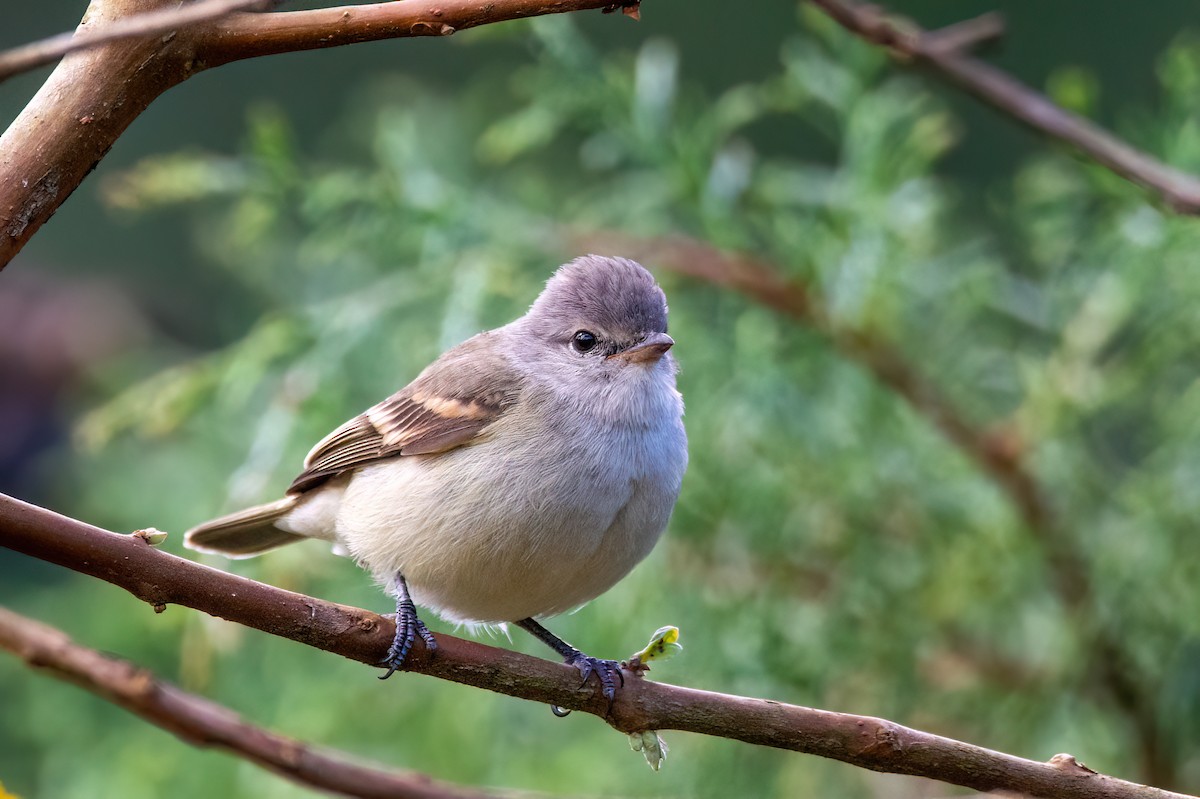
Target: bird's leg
408,626
607,671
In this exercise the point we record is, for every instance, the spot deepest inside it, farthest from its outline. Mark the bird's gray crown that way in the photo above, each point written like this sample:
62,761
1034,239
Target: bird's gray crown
615,296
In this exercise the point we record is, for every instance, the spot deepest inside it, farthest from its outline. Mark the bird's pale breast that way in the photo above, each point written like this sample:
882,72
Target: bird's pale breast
496,533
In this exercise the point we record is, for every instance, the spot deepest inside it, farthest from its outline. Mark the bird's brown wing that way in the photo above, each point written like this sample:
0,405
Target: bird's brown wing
450,404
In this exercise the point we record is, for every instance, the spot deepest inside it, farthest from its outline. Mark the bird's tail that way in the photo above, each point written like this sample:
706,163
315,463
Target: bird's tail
245,533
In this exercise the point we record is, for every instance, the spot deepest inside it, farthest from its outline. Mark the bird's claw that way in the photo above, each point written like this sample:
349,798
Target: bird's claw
408,627
607,671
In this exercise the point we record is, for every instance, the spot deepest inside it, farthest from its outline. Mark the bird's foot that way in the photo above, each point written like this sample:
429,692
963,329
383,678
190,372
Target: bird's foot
408,627
607,671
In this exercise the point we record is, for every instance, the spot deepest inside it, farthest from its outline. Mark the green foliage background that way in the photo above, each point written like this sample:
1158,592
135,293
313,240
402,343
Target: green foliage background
831,547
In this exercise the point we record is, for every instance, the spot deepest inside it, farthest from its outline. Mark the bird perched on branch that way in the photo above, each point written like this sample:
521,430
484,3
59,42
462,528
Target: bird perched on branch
520,475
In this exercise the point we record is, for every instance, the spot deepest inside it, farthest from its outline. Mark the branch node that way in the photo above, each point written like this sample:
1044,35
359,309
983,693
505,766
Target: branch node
630,8
364,623
1069,763
878,738
423,28
151,535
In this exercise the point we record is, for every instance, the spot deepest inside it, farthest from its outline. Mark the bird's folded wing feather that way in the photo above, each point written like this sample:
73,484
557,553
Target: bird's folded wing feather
450,404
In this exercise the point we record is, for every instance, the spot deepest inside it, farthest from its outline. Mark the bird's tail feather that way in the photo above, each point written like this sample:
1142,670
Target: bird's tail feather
245,533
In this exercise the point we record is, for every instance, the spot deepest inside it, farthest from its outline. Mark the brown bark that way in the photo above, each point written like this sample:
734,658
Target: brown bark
71,123
204,723
244,35
94,94
161,579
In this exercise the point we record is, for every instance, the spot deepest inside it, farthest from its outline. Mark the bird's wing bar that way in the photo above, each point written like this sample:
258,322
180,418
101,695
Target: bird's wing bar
450,404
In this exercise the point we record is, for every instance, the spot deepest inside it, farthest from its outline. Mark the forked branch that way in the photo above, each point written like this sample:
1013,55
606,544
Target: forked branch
96,93
47,51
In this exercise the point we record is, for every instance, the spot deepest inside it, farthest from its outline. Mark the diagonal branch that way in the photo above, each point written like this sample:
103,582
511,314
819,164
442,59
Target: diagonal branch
1179,190
994,453
47,51
204,723
160,579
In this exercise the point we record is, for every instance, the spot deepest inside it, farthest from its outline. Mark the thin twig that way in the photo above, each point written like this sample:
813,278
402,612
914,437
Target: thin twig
1179,190
966,35
203,723
47,51
161,579
997,453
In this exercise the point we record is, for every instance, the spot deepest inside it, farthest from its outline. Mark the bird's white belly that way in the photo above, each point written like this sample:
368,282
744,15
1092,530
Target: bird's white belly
476,544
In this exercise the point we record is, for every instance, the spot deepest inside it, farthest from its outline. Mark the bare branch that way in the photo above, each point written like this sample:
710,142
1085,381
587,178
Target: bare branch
1179,190
160,579
965,35
94,94
999,453
204,723
241,36
47,51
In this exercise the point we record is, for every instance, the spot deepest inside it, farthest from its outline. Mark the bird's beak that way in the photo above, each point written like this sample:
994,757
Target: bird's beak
649,350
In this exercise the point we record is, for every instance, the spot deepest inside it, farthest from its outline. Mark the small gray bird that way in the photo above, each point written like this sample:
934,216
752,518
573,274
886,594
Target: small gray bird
521,475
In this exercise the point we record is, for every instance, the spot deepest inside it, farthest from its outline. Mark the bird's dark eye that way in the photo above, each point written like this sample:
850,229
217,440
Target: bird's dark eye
583,340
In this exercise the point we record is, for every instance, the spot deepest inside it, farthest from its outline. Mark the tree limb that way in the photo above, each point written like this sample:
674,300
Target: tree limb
241,36
160,579
47,51
1179,190
203,723
998,453
95,94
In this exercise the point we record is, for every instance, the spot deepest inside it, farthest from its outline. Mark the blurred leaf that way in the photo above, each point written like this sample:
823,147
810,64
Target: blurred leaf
831,547
1075,89
171,179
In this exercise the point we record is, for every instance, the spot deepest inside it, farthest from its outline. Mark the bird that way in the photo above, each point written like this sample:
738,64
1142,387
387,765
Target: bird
519,476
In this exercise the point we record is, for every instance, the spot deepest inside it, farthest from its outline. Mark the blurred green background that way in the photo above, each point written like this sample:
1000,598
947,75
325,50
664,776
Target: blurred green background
223,290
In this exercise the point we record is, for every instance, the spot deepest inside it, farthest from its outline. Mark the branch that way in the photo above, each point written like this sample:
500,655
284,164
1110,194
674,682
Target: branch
95,94
204,723
47,51
241,36
997,453
160,579
1179,190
